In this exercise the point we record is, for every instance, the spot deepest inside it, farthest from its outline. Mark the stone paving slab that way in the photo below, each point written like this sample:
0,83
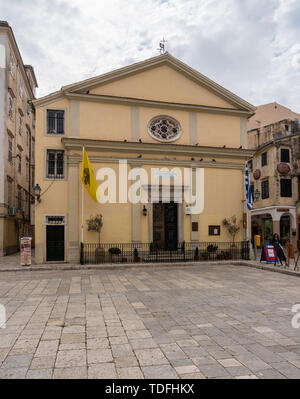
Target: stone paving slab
210,321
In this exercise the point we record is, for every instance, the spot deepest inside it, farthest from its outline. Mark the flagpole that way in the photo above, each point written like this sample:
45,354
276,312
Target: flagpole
82,202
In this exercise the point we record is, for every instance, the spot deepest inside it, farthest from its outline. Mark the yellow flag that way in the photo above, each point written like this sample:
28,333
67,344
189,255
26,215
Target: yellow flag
88,177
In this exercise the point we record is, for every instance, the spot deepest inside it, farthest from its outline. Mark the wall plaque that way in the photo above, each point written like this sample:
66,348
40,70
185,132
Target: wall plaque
214,230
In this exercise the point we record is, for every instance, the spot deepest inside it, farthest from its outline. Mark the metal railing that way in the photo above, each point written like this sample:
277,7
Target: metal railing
93,253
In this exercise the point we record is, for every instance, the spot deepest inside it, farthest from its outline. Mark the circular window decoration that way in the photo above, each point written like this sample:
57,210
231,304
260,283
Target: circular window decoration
164,128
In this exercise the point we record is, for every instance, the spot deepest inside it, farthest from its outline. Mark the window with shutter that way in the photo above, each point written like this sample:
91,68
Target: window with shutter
286,188
265,189
264,159
285,155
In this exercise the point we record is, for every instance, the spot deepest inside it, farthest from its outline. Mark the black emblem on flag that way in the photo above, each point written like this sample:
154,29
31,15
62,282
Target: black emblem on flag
86,173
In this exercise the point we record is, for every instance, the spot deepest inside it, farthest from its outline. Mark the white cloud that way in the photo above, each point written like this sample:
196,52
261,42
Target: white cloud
252,47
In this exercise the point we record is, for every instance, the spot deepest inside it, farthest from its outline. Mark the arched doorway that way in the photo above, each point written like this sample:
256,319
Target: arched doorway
285,228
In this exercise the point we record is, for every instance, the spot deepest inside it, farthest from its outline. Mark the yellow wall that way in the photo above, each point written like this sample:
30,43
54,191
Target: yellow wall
100,121
162,84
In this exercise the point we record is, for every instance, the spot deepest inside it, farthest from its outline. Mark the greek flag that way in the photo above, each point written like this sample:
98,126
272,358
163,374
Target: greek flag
248,188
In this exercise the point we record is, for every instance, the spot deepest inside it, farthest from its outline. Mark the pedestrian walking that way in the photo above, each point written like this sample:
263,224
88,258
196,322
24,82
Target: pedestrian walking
277,244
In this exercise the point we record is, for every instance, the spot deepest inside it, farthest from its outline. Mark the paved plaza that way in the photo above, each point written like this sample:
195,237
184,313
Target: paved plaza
207,321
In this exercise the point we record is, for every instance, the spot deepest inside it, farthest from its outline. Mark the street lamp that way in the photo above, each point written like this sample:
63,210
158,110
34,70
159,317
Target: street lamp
256,194
37,192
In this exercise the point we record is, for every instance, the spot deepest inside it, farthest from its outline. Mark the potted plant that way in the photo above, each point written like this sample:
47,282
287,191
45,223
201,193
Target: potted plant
136,255
183,247
233,227
212,249
95,223
151,248
114,253
205,255
196,254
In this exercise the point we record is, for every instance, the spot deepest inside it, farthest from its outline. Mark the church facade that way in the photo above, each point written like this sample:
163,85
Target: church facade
158,119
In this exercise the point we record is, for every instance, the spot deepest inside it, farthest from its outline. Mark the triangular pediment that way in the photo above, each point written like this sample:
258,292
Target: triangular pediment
163,78
162,83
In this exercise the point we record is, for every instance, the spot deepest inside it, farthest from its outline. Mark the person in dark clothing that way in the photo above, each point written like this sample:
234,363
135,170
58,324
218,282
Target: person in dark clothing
276,242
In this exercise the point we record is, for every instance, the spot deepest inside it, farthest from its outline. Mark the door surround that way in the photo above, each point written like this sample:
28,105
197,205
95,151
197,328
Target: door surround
47,222
180,209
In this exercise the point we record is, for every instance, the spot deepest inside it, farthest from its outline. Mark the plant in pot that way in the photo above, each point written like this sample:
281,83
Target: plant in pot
196,254
136,255
95,223
212,249
205,255
233,227
151,248
114,253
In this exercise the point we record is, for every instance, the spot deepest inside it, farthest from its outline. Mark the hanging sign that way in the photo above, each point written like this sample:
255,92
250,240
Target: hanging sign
268,254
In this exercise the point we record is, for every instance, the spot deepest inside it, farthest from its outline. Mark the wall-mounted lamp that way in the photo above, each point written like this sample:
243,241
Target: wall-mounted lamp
256,195
188,210
144,211
37,192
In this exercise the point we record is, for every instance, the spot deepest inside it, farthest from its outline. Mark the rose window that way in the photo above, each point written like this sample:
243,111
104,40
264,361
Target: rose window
164,128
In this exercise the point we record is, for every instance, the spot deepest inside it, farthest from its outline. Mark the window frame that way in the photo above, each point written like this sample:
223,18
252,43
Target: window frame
289,155
265,195
20,125
21,88
55,175
9,193
55,132
250,165
264,159
10,107
20,163
11,64
10,150
288,192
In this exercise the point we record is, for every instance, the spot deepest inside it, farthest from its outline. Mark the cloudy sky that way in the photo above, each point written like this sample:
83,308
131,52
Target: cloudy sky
251,47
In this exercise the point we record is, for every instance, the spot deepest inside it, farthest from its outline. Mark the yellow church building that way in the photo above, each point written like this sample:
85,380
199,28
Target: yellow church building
161,120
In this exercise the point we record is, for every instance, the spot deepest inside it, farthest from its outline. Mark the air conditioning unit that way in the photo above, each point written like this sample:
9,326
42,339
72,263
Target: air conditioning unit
11,211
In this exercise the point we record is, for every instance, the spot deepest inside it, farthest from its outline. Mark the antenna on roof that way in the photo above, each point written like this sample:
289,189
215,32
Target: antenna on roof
162,47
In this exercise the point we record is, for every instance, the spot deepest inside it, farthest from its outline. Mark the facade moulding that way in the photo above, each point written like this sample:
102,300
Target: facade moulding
157,149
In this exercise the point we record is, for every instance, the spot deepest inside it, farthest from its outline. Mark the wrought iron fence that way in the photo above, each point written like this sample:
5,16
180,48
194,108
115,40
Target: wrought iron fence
92,253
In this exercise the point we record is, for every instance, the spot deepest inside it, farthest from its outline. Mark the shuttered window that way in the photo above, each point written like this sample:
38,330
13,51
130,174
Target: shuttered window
264,159
285,155
265,189
286,188
9,150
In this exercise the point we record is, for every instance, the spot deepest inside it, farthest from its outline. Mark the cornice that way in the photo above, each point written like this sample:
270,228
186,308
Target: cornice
153,148
75,159
48,99
154,104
